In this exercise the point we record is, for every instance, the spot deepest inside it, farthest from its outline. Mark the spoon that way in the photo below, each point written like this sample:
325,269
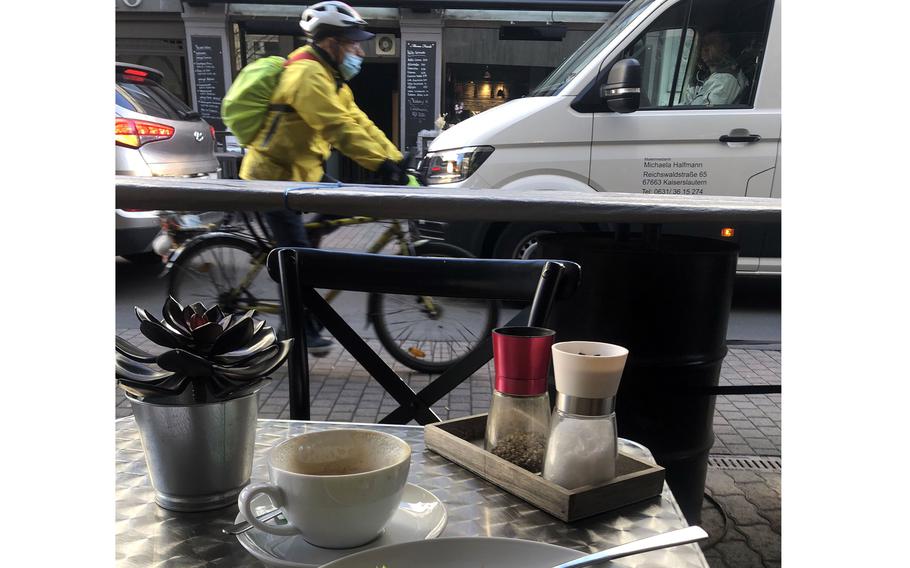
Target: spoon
665,540
244,526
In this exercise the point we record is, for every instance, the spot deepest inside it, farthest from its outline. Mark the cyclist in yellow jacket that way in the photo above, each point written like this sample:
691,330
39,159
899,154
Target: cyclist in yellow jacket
312,110
313,107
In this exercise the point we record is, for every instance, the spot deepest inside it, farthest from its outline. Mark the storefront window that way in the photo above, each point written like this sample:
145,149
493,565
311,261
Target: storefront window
481,87
258,45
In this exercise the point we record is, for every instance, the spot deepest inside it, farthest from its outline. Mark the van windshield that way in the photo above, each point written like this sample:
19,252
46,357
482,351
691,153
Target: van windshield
572,66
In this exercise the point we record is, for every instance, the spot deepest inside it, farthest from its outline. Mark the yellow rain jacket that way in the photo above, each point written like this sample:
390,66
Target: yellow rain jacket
318,113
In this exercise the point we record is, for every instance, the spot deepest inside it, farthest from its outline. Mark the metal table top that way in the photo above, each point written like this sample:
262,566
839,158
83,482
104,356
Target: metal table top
147,535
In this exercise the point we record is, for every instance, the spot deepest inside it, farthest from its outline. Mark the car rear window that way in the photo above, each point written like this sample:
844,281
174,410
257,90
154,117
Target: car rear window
152,99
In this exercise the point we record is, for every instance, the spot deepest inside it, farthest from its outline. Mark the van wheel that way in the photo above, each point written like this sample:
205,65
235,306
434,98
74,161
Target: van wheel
519,240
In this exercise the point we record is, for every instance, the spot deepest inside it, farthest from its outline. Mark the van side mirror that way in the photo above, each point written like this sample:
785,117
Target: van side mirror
622,89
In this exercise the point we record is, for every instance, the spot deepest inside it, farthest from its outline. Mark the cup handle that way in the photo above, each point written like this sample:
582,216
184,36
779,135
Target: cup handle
275,495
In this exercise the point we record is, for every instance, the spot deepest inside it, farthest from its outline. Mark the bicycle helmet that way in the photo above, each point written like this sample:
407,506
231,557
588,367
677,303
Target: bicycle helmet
333,18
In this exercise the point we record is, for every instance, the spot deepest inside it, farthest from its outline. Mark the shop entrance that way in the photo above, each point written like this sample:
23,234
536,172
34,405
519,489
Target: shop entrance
482,87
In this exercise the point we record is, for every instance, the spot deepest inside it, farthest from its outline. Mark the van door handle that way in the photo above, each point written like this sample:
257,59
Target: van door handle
740,138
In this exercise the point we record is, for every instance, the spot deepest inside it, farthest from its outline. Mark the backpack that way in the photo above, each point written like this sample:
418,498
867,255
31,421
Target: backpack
248,100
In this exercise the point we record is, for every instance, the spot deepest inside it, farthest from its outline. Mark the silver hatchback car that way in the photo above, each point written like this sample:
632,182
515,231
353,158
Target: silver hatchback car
156,135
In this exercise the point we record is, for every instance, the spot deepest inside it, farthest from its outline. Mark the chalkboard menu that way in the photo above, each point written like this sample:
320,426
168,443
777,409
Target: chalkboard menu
208,70
419,87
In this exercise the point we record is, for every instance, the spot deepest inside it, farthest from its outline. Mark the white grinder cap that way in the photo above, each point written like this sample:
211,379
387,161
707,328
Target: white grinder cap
588,369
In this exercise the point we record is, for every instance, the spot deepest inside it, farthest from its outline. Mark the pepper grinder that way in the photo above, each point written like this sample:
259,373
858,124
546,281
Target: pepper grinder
582,447
519,419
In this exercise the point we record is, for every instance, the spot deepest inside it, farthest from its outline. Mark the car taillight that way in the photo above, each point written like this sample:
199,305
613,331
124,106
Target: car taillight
134,133
135,75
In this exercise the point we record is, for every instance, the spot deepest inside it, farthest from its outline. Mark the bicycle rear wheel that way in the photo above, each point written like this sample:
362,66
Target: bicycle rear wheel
432,341
227,271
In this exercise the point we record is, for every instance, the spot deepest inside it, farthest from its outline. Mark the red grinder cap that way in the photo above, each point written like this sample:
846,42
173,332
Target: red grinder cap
521,356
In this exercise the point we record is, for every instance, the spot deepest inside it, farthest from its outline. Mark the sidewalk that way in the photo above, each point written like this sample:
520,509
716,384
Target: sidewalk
744,477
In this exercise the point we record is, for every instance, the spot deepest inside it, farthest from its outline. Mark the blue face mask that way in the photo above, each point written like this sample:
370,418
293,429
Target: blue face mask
350,66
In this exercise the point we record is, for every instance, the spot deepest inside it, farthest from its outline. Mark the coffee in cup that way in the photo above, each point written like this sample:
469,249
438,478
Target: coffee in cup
337,488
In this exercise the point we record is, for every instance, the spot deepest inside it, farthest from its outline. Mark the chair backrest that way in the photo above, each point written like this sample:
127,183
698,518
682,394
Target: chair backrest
494,279
301,270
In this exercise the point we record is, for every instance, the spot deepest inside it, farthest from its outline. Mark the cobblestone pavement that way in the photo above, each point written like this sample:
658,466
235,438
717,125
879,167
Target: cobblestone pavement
742,509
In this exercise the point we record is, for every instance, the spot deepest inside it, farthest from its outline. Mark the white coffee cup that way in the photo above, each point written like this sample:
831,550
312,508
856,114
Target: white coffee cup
337,488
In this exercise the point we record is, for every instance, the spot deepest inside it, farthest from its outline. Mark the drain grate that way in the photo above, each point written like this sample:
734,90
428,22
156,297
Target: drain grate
750,463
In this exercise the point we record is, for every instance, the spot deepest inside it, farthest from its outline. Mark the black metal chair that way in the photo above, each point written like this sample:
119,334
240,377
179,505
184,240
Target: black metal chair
301,270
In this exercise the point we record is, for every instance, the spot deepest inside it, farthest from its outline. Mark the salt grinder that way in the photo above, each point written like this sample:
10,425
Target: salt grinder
519,419
582,446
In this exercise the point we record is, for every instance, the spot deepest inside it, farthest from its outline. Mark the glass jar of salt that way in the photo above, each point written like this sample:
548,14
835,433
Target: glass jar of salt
519,419
582,446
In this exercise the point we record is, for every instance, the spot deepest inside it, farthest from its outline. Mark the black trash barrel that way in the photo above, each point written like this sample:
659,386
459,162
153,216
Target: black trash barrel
666,299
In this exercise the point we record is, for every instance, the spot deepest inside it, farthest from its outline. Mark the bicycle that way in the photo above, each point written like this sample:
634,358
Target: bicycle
424,333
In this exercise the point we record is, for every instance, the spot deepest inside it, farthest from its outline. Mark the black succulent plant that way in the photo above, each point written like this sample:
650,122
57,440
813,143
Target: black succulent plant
218,356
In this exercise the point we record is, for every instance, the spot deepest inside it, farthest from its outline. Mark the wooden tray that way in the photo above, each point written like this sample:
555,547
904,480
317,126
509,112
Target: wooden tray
461,441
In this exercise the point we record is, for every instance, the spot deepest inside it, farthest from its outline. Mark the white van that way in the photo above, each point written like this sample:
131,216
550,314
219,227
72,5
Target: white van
675,97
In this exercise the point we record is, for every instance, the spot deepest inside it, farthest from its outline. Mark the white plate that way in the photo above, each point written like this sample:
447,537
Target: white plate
420,515
479,552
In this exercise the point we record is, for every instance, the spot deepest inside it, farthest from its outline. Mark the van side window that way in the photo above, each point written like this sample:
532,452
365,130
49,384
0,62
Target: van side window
709,56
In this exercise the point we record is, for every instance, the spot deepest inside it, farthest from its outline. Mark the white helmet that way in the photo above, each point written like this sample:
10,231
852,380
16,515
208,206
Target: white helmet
334,18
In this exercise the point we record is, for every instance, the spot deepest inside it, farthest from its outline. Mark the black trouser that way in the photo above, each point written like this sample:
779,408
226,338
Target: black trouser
288,230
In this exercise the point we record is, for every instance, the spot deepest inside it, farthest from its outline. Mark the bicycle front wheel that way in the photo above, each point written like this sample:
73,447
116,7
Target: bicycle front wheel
430,334
227,271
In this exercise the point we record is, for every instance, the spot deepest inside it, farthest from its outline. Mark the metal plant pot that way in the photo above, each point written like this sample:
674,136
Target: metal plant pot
199,456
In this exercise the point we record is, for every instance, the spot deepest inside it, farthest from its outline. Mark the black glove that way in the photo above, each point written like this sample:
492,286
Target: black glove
392,174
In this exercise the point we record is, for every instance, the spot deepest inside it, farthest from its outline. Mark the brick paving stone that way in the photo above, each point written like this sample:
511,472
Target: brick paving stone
731,439
774,518
749,432
741,476
366,418
763,495
773,481
761,538
739,555
721,484
760,444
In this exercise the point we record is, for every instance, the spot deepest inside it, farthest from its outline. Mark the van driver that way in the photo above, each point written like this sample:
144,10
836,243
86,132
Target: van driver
726,81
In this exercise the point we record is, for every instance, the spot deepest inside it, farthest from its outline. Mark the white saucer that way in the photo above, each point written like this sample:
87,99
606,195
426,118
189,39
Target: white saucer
419,516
